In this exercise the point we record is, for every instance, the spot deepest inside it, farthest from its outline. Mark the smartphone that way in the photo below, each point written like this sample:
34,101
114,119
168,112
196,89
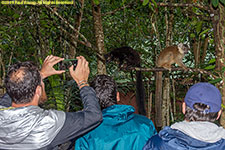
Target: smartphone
66,63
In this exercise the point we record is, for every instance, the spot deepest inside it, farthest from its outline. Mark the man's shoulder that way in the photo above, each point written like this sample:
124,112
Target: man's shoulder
142,119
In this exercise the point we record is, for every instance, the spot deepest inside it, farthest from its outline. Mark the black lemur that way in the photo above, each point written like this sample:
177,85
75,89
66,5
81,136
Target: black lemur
127,57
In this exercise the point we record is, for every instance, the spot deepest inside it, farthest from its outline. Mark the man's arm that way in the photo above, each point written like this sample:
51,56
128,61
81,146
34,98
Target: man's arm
81,122
6,100
76,123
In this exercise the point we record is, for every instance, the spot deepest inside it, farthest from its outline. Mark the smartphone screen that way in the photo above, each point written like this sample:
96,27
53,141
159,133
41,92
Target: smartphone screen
66,63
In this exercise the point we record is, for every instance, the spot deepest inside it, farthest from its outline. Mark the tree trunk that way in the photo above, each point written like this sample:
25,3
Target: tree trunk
77,25
158,100
2,73
174,101
219,38
99,36
196,49
166,102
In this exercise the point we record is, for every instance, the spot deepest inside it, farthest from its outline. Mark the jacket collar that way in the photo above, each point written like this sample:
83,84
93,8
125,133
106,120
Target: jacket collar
201,130
118,113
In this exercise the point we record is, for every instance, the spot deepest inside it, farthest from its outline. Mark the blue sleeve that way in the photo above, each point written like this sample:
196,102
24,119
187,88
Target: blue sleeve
80,122
153,131
154,143
81,144
5,100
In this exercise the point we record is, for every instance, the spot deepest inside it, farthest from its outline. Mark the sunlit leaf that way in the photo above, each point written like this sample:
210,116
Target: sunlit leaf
223,69
222,1
16,16
222,105
194,22
215,81
212,61
96,2
145,2
210,67
203,32
155,4
215,3
199,26
192,35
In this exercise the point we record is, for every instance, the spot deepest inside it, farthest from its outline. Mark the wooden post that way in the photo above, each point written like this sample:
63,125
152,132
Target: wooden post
158,101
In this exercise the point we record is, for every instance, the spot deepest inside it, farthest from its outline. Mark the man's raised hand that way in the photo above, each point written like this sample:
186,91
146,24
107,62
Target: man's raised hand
47,67
81,73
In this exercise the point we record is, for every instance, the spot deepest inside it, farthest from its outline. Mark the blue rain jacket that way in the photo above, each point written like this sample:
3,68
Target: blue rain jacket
121,129
172,139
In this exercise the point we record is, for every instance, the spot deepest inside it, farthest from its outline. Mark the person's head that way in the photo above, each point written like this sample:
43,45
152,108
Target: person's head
23,82
106,90
202,103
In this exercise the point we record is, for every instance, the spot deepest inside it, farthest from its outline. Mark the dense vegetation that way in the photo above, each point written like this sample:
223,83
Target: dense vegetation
92,28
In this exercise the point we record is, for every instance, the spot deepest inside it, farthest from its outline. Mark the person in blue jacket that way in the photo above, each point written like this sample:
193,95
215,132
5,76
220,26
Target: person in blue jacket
121,129
202,107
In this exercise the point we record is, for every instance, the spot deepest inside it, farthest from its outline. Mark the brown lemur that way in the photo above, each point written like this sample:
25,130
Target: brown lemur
171,55
127,57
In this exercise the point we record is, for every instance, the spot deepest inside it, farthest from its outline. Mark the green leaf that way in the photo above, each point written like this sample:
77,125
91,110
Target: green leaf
16,16
194,22
223,2
203,32
150,6
222,105
212,61
58,93
215,3
192,35
96,2
122,4
145,2
215,81
210,67
223,69
155,4
199,26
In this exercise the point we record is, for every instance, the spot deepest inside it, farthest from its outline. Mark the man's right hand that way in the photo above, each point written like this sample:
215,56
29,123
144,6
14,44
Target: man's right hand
47,67
81,73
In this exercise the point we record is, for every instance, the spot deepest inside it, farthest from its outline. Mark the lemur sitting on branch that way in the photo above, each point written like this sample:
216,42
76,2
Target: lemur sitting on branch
127,57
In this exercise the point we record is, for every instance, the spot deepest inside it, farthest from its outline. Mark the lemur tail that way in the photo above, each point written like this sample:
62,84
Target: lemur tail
140,93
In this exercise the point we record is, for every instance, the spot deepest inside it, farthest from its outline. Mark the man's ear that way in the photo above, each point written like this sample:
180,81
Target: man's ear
37,95
219,113
43,93
117,96
38,91
183,108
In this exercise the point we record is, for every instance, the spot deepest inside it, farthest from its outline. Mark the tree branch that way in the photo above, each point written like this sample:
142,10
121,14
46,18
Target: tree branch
157,69
87,43
184,5
118,9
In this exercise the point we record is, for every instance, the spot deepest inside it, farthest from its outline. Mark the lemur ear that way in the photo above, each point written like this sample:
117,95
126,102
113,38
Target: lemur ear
180,45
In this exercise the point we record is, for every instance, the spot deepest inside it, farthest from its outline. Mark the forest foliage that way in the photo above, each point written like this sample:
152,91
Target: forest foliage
31,32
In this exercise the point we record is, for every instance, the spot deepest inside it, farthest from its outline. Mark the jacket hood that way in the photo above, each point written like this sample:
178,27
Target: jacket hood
178,140
15,126
28,126
118,113
203,131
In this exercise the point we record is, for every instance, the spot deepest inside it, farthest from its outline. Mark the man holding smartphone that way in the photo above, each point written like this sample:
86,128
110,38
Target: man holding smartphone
24,125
